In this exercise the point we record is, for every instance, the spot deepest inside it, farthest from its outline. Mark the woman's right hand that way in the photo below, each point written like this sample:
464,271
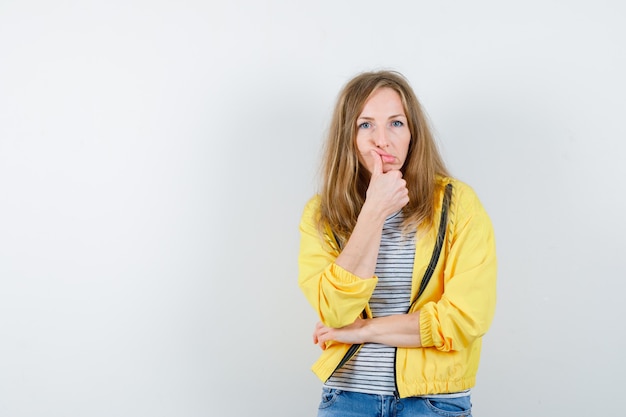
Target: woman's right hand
387,191
386,194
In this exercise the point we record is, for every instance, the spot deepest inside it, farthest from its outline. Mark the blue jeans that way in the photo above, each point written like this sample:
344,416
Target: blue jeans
338,403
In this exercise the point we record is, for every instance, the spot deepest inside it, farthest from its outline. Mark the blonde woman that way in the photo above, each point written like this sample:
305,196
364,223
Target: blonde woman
398,260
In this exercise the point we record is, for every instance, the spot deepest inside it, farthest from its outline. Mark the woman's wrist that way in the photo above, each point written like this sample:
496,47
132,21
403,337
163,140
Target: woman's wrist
372,215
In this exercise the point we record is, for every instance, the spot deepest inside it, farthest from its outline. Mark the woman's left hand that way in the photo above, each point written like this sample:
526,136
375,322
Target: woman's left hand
349,334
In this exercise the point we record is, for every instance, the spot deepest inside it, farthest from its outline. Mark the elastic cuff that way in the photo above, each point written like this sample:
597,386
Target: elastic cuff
426,329
344,276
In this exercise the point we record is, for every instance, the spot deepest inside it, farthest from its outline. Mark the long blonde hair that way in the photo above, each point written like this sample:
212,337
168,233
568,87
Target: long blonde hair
345,179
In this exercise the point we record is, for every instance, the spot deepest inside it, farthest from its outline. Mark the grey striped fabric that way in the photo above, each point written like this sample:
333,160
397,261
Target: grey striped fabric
371,370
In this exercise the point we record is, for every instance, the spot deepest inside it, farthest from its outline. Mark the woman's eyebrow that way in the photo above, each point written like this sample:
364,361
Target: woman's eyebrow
390,117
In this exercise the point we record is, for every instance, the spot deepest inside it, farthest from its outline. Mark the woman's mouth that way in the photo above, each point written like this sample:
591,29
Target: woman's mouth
385,157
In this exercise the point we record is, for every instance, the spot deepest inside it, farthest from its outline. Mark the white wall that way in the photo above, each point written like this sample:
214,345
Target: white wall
155,157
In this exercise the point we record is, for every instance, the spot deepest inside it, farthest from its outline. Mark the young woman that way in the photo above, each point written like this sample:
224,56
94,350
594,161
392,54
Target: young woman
398,259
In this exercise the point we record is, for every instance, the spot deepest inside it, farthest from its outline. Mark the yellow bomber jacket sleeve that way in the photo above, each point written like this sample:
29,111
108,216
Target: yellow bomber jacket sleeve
460,311
338,296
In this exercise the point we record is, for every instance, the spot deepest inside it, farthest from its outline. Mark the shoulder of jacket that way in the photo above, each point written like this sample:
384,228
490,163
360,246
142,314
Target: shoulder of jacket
460,189
314,202
312,207
465,201
311,212
456,183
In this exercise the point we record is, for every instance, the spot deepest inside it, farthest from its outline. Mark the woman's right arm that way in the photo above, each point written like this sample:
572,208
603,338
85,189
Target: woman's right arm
386,194
339,283
336,294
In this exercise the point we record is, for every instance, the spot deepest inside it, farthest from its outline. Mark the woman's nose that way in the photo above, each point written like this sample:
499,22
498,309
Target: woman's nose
380,138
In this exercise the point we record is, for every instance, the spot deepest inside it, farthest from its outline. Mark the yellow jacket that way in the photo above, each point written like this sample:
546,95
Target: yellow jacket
456,308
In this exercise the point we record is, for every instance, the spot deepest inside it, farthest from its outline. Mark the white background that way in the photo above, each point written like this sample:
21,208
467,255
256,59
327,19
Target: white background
155,157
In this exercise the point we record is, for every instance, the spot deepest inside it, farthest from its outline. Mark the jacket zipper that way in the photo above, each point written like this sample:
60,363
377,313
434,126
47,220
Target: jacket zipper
395,358
434,260
352,350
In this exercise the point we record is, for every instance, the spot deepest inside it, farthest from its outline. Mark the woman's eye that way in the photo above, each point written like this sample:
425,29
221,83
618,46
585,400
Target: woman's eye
397,123
365,125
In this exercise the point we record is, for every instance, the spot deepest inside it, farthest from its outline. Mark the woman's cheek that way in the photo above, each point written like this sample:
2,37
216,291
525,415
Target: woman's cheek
366,161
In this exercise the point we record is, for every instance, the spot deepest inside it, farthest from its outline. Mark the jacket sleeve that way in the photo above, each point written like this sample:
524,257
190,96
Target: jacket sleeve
337,295
467,306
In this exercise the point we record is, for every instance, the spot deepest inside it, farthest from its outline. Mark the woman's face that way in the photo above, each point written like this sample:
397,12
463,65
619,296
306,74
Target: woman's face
382,127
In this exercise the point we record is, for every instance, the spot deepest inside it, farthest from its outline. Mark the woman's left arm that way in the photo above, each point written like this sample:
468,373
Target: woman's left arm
401,330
